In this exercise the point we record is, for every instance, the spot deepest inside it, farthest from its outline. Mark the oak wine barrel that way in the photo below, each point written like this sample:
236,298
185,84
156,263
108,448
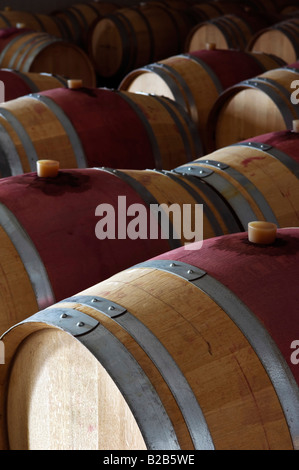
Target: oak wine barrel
252,107
226,32
280,39
288,9
38,52
34,21
264,6
88,127
52,244
78,18
150,335
253,6
258,177
196,80
205,11
255,180
18,84
135,36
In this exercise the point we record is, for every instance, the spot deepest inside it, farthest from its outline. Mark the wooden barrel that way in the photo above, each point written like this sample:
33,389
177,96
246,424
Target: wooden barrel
88,127
53,235
29,51
196,80
288,9
281,38
267,8
78,18
282,3
264,6
255,106
136,36
226,32
18,84
204,11
34,21
258,178
191,334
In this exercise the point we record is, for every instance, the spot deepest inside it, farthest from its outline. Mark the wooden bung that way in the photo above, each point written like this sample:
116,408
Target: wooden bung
296,125
210,46
47,168
260,232
74,84
20,25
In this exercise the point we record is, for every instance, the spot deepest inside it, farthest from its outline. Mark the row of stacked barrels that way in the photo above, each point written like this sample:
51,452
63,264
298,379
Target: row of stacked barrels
142,342
161,116
101,41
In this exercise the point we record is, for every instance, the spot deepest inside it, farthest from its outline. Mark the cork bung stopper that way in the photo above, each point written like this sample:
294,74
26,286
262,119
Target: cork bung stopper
74,84
261,232
210,46
296,125
47,168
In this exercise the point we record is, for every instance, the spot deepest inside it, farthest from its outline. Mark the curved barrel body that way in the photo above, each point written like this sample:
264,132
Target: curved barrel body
190,334
95,127
39,52
54,238
18,84
196,80
253,107
258,178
